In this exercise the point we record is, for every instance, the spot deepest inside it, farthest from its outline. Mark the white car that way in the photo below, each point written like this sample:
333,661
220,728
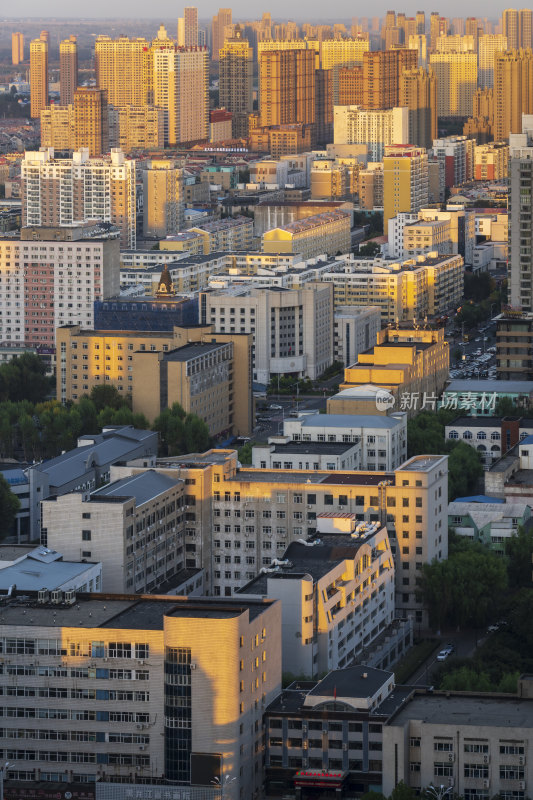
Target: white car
274,407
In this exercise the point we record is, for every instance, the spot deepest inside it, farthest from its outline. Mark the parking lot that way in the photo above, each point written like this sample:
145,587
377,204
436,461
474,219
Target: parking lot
478,356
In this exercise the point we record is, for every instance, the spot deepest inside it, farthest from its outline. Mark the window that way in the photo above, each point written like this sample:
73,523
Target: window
86,536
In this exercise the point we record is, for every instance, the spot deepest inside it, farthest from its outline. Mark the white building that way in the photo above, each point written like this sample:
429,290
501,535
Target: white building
395,230
63,191
292,328
52,276
282,452
337,593
383,438
134,526
376,128
42,568
356,329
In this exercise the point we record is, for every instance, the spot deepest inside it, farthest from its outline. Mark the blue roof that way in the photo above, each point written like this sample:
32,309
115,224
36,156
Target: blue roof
500,387
143,486
349,421
527,440
479,498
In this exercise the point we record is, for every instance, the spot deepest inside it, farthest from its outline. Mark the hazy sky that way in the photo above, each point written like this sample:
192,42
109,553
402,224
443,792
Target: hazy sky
341,9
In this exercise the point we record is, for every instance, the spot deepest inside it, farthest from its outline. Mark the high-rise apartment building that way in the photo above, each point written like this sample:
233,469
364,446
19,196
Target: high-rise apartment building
457,154
456,44
236,81
17,48
381,76
418,93
517,27
120,66
164,205
181,89
421,23
520,224
338,53
456,75
220,21
405,180
91,121
287,87
488,46
68,70
54,276
136,128
350,86
418,42
375,128
60,191
38,76
513,93
438,26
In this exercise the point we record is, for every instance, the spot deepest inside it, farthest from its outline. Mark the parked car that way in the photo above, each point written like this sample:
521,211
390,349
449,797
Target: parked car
274,407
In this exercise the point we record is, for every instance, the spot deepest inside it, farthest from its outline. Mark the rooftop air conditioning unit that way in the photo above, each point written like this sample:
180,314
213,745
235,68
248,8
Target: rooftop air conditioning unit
43,596
57,596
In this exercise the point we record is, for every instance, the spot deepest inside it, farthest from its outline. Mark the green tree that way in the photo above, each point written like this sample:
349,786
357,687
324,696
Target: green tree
369,250
107,395
464,469
245,453
520,618
505,407
519,549
402,792
9,506
25,378
180,432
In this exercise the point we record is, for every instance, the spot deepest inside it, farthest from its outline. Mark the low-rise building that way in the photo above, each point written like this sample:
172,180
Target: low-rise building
337,594
412,364
426,235
491,161
282,452
491,437
514,345
328,232
490,523
43,568
86,466
383,439
134,526
147,689
226,234
209,374
291,329
479,397
328,735
406,290
479,744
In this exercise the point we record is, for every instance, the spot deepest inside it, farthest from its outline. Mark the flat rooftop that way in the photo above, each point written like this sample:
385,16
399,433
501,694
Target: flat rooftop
466,709
500,387
308,448
308,478
130,612
143,487
348,420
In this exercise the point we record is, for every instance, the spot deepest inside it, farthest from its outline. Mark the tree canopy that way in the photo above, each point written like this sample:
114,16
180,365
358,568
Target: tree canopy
9,506
25,378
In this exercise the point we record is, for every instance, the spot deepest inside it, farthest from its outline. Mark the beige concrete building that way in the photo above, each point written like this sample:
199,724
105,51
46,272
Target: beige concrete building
330,179
479,744
418,92
60,191
68,70
91,121
220,21
488,46
338,53
370,186
375,127
17,48
403,290
513,78
291,329
108,522
456,74
328,232
137,128
38,76
231,233
287,87
425,235
208,374
163,204
491,161
180,87
405,180
184,683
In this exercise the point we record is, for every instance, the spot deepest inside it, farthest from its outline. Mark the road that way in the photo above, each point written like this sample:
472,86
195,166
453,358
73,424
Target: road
274,425
465,643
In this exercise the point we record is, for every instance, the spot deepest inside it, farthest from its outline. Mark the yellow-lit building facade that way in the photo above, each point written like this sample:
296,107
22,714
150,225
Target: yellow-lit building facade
456,74
405,180
208,374
38,77
404,360
328,232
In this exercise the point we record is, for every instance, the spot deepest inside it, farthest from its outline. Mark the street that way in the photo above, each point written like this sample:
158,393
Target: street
465,644
270,421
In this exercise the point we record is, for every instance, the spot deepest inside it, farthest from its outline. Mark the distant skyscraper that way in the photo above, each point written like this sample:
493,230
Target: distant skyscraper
38,76
220,21
456,82
520,226
513,79
236,74
17,48
516,26
163,199
190,17
45,36
68,70
181,88
337,53
381,76
91,123
420,22
287,87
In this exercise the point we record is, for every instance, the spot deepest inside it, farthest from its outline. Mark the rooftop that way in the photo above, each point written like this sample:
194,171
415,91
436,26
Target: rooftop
143,487
320,448
130,612
358,681
193,350
31,574
347,421
315,477
466,709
